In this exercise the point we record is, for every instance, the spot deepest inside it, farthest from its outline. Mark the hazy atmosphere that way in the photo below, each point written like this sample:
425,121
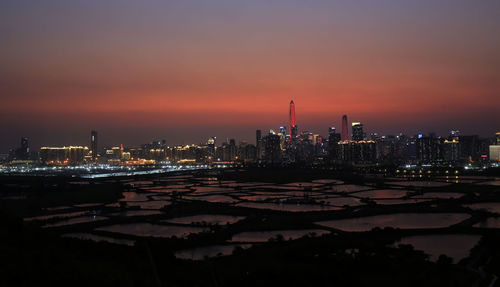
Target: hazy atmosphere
186,70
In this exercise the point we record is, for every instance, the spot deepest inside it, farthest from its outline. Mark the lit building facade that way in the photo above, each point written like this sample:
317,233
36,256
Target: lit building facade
63,155
357,152
429,149
494,150
93,145
451,150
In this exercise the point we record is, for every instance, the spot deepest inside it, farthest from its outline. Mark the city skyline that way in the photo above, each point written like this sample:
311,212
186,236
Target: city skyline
344,129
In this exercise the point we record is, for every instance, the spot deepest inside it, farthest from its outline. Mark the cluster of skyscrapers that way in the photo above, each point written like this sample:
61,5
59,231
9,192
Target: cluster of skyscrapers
285,146
309,148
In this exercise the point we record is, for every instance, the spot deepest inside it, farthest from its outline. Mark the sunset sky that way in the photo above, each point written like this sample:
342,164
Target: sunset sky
185,70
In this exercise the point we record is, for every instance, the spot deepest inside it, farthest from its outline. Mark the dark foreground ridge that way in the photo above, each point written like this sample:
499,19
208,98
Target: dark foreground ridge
34,255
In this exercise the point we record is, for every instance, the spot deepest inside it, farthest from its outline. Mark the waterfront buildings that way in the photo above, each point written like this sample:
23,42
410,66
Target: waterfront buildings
66,155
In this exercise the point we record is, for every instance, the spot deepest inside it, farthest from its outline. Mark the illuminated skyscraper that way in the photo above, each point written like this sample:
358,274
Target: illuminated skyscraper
429,149
333,140
283,135
357,132
211,148
291,121
495,149
455,133
345,130
283,132
93,144
450,149
291,118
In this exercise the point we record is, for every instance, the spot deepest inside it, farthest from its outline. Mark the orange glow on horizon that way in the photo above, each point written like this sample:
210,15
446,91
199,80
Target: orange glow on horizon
188,70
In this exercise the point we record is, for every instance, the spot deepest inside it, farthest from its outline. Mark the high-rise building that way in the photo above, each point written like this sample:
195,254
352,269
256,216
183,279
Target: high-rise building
23,152
291,121
63,155
53,155
429,149
283,132
246,152
227,151
211,149
283,137
258,143
332,130
451,149
317,139
231,150
374,136
333,139
350,152
258,137
357,131
494,150
24,145
93,144
469,147
272,150
117,152
455,133
345,131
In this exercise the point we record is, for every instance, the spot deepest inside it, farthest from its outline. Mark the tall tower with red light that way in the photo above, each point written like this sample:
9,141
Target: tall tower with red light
291,121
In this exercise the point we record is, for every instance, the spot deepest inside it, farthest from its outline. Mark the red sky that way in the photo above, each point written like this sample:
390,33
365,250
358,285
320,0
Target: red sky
192,69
